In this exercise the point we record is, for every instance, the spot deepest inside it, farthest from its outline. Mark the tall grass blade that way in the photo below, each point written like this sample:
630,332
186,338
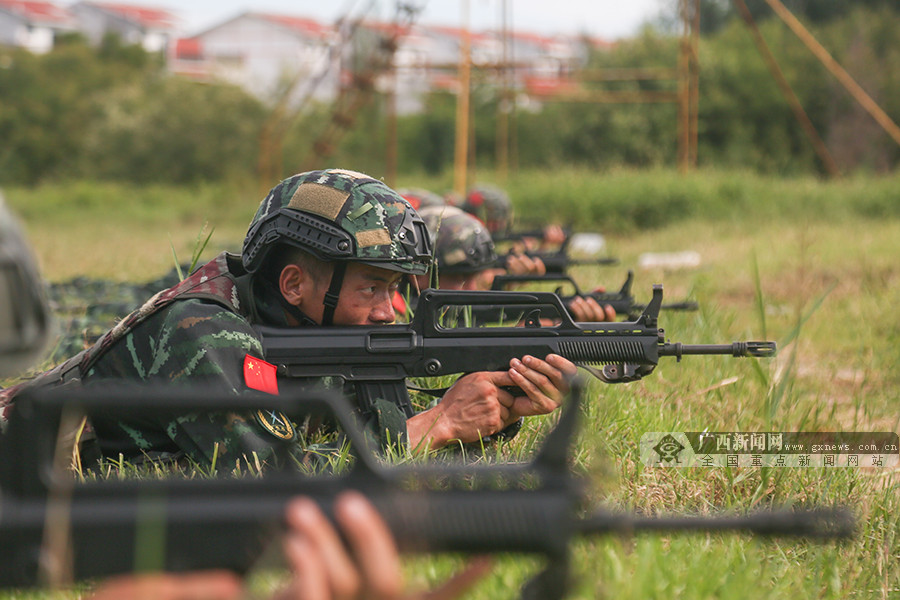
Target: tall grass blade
760,304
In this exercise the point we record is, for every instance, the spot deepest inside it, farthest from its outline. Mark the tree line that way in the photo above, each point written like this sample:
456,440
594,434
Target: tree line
115,113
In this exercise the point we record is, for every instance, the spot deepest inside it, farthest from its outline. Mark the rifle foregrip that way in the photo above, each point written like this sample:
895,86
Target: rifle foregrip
604,351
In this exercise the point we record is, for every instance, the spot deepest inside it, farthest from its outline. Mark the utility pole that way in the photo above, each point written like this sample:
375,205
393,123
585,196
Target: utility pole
462,107
688,84
503,102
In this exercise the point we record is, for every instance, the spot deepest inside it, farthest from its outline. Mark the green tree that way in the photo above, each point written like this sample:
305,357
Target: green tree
173,130
49,103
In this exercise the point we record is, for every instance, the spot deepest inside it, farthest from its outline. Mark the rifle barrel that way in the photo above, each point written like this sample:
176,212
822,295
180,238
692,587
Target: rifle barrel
606,260
757,349
820,523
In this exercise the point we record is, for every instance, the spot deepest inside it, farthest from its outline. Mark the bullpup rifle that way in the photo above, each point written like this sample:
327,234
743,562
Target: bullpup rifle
55,529
379,359
557,261
623,301
522,234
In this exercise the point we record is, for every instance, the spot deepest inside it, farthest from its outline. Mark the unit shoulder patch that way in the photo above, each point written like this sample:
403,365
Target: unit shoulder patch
276,423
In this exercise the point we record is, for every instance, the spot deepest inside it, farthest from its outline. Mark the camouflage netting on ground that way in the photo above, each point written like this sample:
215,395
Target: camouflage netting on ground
85,308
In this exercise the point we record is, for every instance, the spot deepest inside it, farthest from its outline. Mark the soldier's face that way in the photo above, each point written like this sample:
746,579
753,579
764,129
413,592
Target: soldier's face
365,297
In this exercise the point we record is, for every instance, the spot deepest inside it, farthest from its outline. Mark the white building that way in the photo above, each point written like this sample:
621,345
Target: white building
152,28
32,24
266,54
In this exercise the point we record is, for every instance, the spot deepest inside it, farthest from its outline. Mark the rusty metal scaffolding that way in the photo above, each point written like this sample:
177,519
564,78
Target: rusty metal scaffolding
686,96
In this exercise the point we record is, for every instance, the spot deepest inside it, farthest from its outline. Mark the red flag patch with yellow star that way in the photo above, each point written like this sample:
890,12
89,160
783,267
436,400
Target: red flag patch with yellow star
260,375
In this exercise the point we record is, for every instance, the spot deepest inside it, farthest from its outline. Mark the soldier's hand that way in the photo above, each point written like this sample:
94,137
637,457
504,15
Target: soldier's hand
484,279
544,382
553,235
200,585
522,264
367,567
474,407
585,309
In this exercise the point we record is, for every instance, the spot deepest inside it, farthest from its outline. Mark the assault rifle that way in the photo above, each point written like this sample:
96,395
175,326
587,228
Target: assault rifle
55,529
623,301
556,262
379,359
516,236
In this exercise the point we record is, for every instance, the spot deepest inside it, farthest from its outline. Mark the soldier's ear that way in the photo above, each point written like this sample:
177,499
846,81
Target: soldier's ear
295,283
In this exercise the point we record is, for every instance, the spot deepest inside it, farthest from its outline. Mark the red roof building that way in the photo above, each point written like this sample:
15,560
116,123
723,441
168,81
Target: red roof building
32,24
151,27
300,25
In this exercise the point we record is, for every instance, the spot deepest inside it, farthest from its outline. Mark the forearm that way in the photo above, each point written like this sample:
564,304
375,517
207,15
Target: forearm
428,430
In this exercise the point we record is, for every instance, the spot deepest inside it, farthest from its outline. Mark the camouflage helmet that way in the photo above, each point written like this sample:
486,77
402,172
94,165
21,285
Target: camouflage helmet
421,198
491,205
26,324
462,245
339,215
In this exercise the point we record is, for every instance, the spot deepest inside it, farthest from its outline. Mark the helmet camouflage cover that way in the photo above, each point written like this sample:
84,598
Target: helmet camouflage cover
491,205
462,245
421,198
335,214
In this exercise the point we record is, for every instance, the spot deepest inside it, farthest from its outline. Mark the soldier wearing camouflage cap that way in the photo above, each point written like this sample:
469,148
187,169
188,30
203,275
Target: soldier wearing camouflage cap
325,247
421,198
371,559
463,250
465,259
491,205
465,256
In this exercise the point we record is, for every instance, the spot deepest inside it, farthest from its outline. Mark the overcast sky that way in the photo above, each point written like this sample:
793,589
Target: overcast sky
610,19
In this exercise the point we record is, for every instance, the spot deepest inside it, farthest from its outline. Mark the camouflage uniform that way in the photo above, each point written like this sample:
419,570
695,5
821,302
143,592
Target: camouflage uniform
200,332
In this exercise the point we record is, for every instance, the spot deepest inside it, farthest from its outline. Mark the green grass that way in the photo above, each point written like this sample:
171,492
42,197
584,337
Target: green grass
810,264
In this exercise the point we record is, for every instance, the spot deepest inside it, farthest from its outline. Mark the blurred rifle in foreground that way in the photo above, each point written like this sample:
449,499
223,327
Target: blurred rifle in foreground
56,530
623,301
379,359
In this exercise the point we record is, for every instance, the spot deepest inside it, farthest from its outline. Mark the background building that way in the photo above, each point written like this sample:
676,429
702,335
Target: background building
32,24
151,28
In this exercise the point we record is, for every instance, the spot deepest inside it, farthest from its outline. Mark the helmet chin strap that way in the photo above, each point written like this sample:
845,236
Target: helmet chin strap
272,290
334,290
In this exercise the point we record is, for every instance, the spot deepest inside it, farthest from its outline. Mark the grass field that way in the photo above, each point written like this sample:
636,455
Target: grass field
810,264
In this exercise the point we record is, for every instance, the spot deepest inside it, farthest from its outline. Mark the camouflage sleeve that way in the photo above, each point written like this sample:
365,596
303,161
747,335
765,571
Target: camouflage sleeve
193,343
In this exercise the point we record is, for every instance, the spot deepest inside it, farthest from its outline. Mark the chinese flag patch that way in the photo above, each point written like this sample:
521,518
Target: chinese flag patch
260,375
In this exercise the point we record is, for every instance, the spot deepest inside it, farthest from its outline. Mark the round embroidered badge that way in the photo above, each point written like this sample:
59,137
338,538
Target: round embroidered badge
276,423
